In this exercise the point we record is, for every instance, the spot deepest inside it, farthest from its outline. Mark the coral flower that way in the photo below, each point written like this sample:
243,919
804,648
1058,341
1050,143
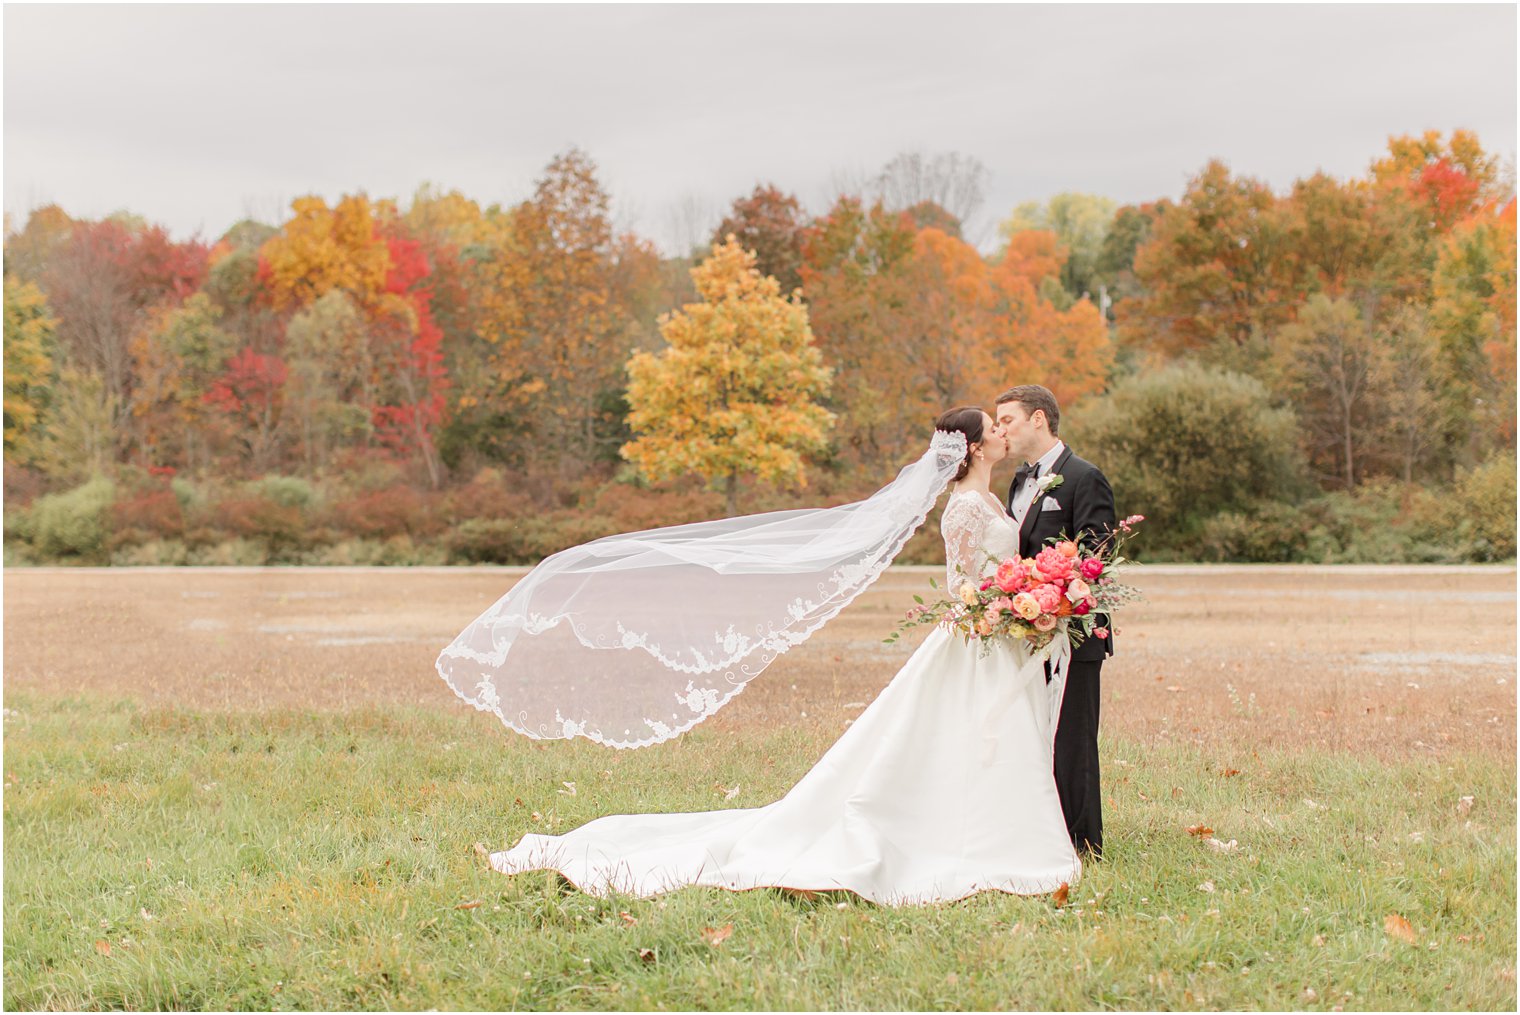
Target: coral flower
1044,622
1067,548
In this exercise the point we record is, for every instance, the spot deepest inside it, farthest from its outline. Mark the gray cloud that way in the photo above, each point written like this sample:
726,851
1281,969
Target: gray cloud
195,116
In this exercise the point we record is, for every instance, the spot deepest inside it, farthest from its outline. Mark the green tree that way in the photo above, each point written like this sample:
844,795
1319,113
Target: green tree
1081,223
736,390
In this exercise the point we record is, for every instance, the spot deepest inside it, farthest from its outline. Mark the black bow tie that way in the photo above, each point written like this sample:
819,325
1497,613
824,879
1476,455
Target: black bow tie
1024,472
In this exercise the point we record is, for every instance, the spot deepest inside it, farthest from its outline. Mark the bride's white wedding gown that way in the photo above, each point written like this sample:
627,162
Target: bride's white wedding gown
941,788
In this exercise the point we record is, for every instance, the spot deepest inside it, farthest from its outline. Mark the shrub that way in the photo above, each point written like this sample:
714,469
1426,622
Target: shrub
399,510
277,526
147,514
286,491
1188,442
1487,498
628,508
488,495
72,524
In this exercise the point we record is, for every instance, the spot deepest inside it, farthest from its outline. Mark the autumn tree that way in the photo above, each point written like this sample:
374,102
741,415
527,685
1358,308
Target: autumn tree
28,251
1449,179
1216,272
330,377
29,369
178,358
1337,368
770,223
1080,223
106,283
1473,313
557,290
915,320
320,249
736,390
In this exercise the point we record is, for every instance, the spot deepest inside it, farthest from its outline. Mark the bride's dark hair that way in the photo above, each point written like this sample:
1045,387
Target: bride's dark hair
968,420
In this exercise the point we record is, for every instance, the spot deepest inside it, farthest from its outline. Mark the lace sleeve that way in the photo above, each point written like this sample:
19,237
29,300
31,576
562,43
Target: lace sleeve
964,526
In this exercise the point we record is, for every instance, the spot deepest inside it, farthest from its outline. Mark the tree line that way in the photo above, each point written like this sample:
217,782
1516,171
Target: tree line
446,379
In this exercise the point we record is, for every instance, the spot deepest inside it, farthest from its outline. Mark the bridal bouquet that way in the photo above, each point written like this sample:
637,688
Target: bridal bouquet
1060,590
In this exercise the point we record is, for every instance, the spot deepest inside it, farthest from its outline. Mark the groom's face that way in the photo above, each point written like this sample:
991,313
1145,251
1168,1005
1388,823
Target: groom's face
1018,429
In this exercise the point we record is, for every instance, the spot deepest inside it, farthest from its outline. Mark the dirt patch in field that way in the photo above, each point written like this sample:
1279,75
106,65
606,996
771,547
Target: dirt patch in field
1390,662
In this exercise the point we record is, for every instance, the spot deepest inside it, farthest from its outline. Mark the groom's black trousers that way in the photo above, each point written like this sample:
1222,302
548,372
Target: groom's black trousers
1076,757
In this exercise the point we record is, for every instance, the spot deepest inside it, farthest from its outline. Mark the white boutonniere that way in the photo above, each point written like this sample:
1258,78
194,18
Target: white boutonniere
1045,484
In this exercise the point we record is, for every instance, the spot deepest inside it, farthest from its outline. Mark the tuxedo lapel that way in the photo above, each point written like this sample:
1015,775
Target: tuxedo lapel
1032,516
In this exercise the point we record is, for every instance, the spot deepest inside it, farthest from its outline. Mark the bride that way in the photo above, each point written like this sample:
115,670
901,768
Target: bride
942,788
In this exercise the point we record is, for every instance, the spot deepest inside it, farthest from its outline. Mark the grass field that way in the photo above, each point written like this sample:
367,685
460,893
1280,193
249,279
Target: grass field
248,790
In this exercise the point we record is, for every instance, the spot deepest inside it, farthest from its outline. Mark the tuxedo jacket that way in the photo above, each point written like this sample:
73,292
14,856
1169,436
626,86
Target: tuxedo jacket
1081,508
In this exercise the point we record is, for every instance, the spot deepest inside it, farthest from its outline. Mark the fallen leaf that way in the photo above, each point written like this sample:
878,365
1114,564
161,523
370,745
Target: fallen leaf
1220,847
1310,994
535,817
1059,897
1227,773
1207,886
472,904
1464,806
1174,688
1395,925
1319,940
103,947
569,789
646,954
729,794
717,935
145,914
1199,830
628,918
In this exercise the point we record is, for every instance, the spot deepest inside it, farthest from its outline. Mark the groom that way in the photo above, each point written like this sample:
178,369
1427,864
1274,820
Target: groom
1081,508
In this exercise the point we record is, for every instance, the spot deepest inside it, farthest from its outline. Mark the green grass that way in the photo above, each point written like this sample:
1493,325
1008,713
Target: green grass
294,860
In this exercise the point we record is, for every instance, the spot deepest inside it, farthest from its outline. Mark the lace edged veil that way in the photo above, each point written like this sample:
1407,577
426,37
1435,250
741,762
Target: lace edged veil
633,639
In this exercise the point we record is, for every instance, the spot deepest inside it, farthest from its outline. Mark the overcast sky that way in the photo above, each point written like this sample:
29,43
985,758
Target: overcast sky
197,116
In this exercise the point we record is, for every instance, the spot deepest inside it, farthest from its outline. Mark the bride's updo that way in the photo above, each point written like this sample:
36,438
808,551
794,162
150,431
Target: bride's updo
968,420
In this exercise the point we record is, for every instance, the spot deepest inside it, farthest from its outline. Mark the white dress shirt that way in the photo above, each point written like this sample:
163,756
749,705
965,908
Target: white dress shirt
1025,497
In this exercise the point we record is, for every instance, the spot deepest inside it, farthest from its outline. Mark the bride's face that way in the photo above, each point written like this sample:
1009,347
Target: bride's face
994,444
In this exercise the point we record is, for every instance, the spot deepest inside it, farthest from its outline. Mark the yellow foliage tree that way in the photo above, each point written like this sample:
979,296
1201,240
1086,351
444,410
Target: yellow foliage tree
28,368
735,392
321,249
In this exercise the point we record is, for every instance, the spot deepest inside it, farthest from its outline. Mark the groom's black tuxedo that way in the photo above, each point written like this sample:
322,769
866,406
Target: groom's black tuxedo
1084,511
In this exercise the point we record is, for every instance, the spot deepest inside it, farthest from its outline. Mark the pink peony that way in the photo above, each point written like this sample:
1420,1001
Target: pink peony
1010,576
1091,568
1044,622
1049,598
1053,563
